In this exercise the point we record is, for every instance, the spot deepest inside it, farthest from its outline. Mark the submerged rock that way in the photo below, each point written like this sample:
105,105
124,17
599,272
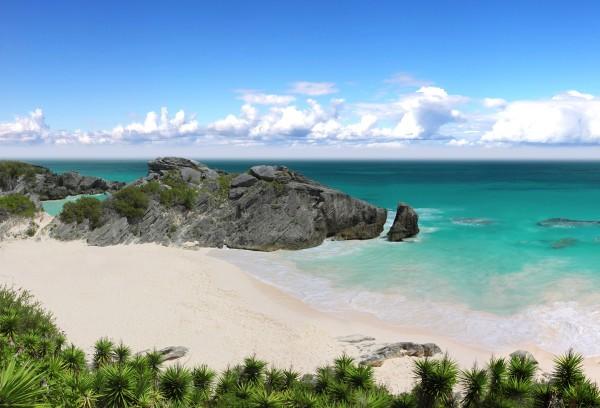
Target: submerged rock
265,209
564,243
566,222
472,221
406,223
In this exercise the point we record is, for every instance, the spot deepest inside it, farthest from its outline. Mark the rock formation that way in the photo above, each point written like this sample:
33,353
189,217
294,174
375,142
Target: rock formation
406,223
265,209
41,184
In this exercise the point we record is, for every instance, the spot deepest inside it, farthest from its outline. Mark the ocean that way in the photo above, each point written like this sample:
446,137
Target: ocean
482,270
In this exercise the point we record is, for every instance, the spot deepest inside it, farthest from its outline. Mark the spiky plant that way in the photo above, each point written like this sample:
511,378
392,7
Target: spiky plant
301,398
154,361
372,398
176,384
568,371
497,374
522,368
20,386
435,380
340,393
519,390
274,380
203,378
118,386
404,400
243,391
151,399
84,389
227,382
544,396
122,353
103,352
474,384
342,367
361,377
261,398
583,394
74,359
9,323
253,370
324,379
291,378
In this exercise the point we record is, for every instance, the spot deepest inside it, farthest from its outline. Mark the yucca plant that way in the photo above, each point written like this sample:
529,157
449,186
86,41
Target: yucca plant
342,367
176,384
522,368
360,377
74,359
583,394
103,352
497,374
545,396
404,400
291,378
203,378
324,379
253,370
261,398
301,398
340,393
122,353
435,380
274,380
20,387
373,398
568,371
118,386
227,382
9,324
474,384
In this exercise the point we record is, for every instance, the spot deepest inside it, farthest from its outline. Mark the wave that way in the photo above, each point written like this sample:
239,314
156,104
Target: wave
553,325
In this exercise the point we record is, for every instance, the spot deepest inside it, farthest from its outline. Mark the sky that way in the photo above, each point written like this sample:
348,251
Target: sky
302,79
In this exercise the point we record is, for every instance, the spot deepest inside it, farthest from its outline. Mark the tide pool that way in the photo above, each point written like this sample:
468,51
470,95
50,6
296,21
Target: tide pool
482,269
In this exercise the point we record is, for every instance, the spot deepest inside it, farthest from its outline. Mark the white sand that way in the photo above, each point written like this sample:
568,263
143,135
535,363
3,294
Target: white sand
153,296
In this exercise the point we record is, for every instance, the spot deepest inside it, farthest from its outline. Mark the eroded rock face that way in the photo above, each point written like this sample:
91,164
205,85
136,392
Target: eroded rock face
41,184
265,209
401,349
406,223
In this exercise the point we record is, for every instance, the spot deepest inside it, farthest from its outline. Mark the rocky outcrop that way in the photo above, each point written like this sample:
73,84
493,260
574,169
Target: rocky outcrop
41,184
406,223
265,209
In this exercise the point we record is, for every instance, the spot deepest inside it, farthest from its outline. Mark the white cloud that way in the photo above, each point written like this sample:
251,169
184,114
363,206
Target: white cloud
25,129
494,103
157,127
257,98
313,88
568,118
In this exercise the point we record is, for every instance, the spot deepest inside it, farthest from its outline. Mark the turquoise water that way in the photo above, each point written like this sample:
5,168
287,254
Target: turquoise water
54,207
481,270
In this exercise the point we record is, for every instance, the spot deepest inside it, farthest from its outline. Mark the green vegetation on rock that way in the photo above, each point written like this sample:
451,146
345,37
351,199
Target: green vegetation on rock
84,208
130,202
224,181
17,204
10,171
177,192
38,369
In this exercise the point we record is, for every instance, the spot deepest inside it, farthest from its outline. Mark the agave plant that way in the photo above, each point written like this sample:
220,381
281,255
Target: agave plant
176,384
373,398
118,386
291,378
342,367
302,398
103,352
474,384
324,380
20,386
340,393
361,377
568,371
584,394
154,360
227,382
275,380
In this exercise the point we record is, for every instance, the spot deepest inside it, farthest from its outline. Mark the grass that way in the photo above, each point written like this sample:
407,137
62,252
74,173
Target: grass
18,204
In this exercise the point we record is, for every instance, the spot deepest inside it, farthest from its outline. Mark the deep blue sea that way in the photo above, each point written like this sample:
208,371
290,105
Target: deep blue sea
482,270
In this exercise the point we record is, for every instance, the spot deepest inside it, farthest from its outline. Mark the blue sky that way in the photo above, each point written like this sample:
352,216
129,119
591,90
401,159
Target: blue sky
265,77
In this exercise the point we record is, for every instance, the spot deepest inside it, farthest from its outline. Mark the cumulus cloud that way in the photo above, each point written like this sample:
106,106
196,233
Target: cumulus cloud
157,127
568,118
313,88
25,129
406,79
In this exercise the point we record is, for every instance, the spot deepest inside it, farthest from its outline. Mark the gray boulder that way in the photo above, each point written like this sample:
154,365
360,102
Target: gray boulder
406,223
523,354
243,180
401,349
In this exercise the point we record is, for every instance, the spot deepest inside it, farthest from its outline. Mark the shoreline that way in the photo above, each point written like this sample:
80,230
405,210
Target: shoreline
153,296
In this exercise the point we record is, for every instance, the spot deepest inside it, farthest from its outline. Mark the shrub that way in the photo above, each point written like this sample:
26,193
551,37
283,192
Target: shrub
85,208
18,204
224,181
10,171
130,202
178,192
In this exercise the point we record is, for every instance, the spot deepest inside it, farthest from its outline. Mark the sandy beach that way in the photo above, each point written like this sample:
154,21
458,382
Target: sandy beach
153,296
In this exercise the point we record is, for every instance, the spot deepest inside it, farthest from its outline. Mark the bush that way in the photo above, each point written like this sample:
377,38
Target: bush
178,192
85,208
130,202
18,204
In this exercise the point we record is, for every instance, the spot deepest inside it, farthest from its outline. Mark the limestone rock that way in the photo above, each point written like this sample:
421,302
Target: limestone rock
406,223
401,349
